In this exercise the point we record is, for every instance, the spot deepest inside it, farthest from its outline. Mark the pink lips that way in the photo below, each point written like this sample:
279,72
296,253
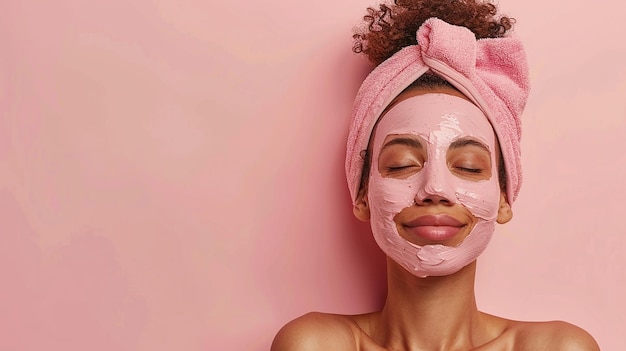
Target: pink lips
434,227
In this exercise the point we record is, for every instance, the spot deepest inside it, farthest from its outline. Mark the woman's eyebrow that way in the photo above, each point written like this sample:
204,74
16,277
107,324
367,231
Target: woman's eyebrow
414,143
466,142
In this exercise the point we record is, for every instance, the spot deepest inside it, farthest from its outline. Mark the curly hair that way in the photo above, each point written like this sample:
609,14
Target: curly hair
393,26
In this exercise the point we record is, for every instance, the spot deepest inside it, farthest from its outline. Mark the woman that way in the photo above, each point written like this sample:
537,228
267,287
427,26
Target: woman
433,163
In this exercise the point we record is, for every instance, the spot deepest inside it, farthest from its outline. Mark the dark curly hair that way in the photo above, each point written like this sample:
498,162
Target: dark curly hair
393,26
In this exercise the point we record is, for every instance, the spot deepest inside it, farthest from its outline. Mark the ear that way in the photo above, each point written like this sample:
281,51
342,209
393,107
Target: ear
361,208
505,213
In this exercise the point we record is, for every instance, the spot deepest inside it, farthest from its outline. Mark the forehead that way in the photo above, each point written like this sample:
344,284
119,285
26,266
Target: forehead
442,114
425,90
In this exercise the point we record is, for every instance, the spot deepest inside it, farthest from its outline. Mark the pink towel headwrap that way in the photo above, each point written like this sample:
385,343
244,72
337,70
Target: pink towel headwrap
491,72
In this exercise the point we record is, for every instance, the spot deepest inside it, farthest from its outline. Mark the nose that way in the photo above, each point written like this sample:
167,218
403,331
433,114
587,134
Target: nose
426,199
435,187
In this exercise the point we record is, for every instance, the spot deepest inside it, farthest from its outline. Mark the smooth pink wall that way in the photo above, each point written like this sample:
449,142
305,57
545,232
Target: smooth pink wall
171,174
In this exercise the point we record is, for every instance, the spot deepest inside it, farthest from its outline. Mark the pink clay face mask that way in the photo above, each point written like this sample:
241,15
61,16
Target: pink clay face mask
437,121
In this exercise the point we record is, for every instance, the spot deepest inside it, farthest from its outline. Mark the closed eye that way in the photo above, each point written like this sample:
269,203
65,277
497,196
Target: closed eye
470,170
403,169
399,168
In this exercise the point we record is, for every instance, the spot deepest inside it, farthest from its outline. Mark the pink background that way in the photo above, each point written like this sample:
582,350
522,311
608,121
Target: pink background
171,174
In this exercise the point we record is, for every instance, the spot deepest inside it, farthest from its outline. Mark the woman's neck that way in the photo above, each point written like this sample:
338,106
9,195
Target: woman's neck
434,313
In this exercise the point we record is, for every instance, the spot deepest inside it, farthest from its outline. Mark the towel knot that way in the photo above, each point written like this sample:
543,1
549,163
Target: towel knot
452,45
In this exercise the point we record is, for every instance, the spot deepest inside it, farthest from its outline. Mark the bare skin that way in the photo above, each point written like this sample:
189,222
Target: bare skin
433,313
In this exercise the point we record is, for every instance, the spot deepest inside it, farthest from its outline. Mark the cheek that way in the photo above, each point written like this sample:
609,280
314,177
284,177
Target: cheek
481,198
390,196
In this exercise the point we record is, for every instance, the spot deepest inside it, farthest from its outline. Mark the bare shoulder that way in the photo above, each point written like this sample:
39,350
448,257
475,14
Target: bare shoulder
554,336
316,331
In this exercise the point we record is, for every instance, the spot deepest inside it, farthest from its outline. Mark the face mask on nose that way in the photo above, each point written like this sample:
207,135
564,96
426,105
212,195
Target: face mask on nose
439,121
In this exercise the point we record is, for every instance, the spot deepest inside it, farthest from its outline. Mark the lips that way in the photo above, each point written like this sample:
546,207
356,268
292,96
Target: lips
434,227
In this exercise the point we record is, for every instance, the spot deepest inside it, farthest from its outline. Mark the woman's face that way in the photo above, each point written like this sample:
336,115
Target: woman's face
433,179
